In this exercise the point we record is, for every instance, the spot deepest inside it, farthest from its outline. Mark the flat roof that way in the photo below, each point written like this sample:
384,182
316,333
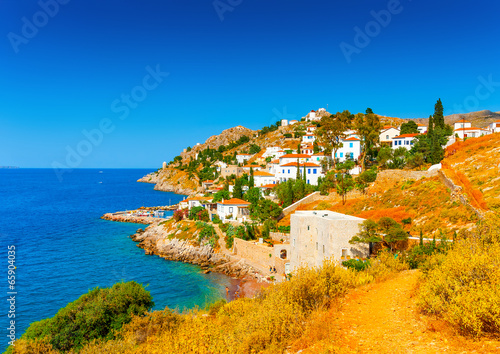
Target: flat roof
326,214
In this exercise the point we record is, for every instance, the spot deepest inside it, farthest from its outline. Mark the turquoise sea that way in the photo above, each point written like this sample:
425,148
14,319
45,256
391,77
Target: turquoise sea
63,248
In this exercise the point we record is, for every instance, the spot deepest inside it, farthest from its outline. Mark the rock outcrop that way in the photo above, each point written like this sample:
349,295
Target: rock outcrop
172,180
155,241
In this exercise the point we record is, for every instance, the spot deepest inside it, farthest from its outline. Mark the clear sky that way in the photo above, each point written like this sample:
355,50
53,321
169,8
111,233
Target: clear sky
101,66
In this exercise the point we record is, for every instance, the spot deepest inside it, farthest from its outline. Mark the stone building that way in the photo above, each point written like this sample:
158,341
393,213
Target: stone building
319,234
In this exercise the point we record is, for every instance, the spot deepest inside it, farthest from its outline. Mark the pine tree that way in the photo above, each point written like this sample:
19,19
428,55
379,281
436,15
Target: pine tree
298,148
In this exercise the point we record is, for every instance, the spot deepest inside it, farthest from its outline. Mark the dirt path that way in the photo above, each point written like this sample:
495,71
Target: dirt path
383,318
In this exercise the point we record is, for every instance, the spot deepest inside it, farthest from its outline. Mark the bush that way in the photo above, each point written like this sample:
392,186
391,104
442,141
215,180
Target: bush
178,215
356,264
95,315
463,287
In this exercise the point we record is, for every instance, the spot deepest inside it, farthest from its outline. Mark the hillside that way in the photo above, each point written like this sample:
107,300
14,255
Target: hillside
475,165
479,119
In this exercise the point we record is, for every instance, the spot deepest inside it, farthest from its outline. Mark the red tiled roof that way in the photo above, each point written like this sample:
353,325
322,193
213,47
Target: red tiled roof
295,156
313,110
268,186
275,161
208,181
406,136
262,174
306,164
235,201
470,128
351,139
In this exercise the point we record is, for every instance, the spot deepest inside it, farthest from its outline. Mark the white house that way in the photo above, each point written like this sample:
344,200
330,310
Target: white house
351,148
316,235
289,171
404,140
293,158
422,129
462,123
387,133
471,132
272,151
317,158
233,209
194,202
284,122
308,138
241,158
307,149
292,122
311,129
262,178
246,168
495,127
311,116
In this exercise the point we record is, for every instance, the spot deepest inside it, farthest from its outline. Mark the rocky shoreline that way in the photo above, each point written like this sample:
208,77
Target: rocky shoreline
131,218
162,182
155,241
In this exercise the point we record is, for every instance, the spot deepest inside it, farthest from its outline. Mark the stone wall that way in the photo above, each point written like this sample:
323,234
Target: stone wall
389,177
457,192
279,236
255,253
306,200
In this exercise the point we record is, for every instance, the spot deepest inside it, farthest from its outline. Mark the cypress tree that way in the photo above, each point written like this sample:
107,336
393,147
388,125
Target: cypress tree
297,177
438,114
305,176
298,148
251,182
421,238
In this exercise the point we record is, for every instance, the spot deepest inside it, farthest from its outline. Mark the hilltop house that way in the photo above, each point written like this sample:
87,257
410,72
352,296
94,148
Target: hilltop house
494,127
293,158
233,209
241,158
262,178
231,170
422,129
351,148
207,184
404,140
316,235
387,133
308,138
289,171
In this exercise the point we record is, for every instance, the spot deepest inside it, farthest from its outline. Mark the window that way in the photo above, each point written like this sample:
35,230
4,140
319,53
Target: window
314,171
230,209
323,248
308,171
307,227
283,171
344,252
352,155
341,154
308,182
351,145
387,137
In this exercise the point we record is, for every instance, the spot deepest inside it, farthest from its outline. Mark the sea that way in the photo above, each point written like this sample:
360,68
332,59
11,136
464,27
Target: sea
61,249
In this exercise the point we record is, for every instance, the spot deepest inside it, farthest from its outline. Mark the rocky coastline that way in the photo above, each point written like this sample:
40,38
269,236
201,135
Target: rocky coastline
164,181
155,241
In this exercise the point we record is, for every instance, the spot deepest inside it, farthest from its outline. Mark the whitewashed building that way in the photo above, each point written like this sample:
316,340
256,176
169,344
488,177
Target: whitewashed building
351,149
262,178
471,132
308,138
241,158
316,235
387,133
404,140
288,171
494,127
294,158
422,129
233,209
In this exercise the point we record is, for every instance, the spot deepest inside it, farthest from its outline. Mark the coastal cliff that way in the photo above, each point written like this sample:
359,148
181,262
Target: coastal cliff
172,180
169,242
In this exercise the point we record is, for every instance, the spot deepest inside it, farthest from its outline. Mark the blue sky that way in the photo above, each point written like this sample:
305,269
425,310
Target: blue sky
68,67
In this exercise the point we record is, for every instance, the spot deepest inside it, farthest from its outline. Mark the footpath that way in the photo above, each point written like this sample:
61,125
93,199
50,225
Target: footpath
384,318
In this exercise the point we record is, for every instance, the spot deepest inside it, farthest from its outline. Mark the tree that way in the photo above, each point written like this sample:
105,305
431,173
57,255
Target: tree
298,176
254,149
251,182
345,182
316,149
367,127
387,231
369,111
266,210
222,194
332,132
438,116
385,154
409,128
237,191
298,148
253,196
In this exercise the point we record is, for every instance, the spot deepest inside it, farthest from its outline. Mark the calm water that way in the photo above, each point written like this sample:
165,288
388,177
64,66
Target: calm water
63,248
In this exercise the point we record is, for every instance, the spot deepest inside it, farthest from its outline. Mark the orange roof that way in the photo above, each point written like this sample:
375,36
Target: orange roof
262,174
244,155
197,198
351,139
235,201
421,125
405,136
470,128
275,161
268,186
306,164
208,181
295,156
309,135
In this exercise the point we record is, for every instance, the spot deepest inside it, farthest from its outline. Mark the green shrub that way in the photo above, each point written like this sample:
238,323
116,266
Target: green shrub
356,264
95,315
